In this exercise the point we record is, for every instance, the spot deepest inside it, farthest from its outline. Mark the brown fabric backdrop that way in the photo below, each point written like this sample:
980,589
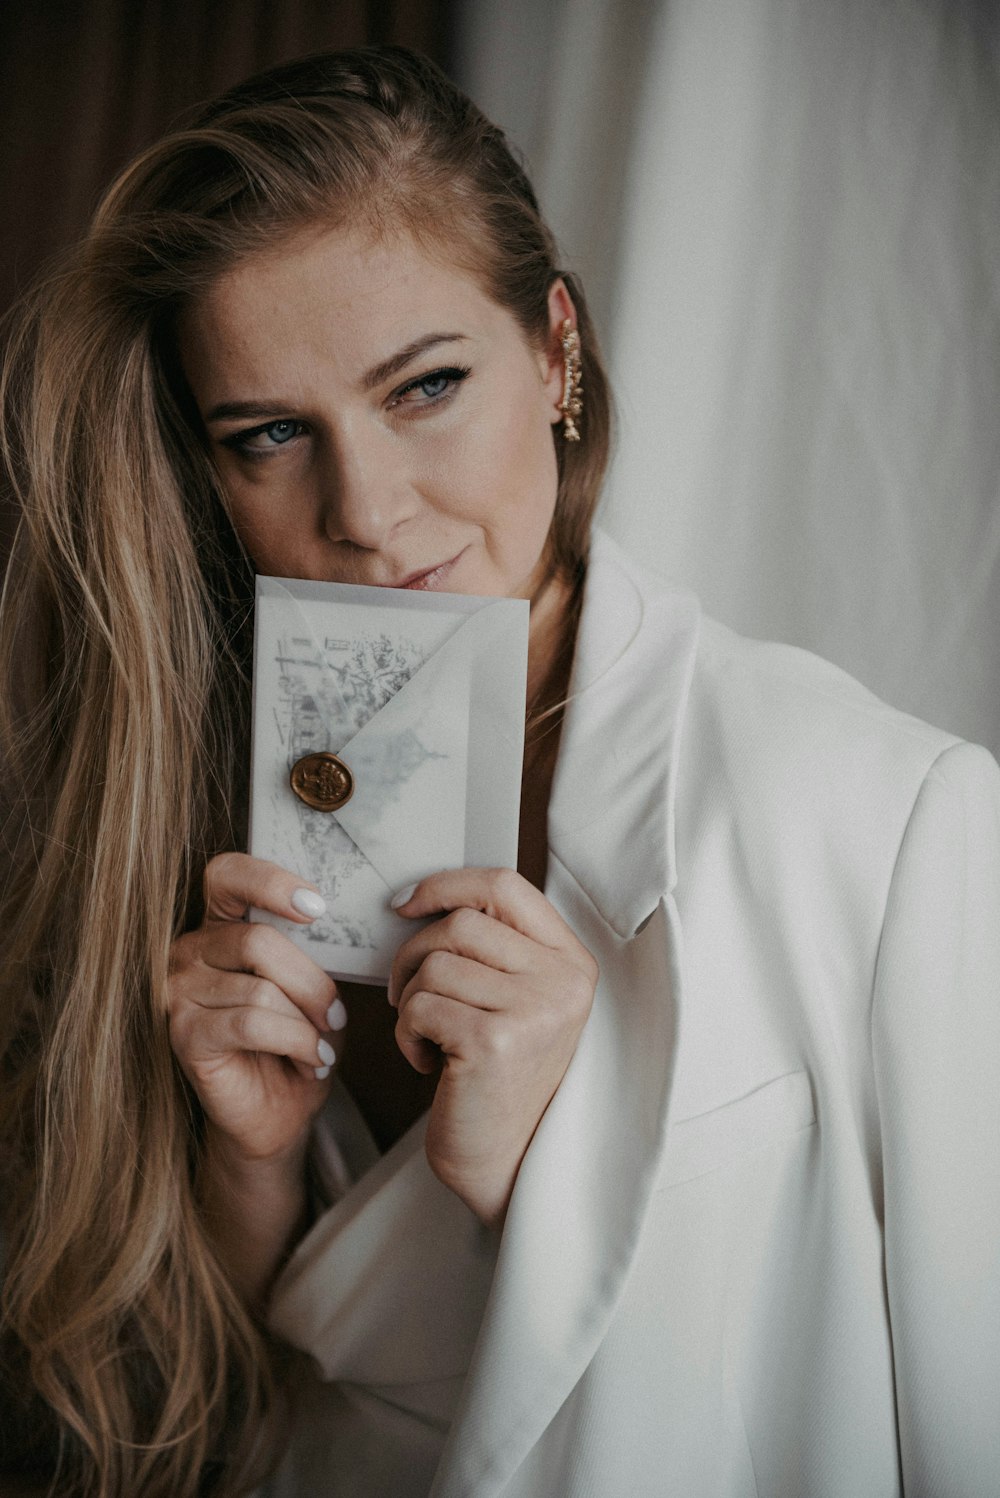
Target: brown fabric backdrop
84,84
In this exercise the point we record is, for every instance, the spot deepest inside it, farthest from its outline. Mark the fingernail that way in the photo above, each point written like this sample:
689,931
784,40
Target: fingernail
308,902
403,896
325,1052
322,1072
336,1015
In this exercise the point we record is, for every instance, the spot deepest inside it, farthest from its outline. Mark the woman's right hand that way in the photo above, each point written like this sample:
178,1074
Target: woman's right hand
250,1013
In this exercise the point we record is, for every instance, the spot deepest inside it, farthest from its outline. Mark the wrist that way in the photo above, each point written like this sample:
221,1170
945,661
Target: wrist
223,1158
254,1209
265,1199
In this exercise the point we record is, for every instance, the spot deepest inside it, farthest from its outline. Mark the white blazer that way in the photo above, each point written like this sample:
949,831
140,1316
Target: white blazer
753,1250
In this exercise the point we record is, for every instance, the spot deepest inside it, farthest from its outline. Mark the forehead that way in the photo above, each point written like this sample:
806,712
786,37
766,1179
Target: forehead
337,290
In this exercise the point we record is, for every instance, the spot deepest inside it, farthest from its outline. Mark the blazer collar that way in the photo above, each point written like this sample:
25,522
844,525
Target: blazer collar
580,1201
611,813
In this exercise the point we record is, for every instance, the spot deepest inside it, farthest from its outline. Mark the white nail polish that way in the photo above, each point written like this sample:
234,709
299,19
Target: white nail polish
336,1015
308,902
322,1072
402,897
325,1052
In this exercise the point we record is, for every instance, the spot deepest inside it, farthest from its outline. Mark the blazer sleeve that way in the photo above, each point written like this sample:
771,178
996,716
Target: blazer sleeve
936,1045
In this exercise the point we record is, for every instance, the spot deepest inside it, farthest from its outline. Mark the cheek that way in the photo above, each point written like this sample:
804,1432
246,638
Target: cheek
517,468
533,478
250,515
269,531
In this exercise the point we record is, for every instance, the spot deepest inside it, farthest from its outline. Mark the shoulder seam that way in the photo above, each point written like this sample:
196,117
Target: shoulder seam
853,695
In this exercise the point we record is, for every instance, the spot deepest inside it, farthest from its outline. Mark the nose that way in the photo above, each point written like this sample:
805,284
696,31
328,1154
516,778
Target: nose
364,493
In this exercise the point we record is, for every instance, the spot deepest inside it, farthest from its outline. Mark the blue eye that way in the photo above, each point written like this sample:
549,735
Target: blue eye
257,441
430,389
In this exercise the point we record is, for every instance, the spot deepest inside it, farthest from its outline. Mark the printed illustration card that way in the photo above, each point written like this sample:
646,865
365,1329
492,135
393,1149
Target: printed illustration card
388,733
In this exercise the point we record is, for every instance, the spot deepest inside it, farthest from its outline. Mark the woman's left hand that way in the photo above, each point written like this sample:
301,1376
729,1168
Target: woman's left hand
499,989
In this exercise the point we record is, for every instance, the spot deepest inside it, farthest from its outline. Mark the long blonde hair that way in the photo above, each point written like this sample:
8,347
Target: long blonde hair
122,724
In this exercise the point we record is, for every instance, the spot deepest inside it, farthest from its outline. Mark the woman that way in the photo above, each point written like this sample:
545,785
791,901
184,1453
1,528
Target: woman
666,1165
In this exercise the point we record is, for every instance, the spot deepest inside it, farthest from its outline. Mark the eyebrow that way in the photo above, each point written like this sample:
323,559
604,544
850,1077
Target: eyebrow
254,410
245,410
398,361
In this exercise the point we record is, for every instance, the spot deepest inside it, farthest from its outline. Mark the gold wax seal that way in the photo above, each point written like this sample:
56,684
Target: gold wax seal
322,781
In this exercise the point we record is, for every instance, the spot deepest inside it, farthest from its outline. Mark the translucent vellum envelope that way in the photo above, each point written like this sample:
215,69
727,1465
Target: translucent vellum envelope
420,696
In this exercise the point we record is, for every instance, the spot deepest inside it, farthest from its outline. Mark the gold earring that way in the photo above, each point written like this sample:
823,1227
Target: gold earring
571,404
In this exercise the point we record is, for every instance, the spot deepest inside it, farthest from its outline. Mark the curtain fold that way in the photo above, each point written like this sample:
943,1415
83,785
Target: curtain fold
789,225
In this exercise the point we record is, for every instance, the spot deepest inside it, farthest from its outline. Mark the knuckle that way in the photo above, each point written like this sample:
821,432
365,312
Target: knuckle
260,994
181,988
246,1028
550,1022
259,944
219,869
179,1030
498,1038
417,1002
462,924
579,993
506,884
407,1020
434,968
173,994
181,953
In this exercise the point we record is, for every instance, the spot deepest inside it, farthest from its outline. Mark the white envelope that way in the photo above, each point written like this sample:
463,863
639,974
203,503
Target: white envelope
421,696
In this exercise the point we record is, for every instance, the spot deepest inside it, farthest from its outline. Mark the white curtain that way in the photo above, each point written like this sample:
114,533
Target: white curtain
787,215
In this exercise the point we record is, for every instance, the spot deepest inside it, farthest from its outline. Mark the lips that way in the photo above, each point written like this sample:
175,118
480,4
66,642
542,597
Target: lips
428,577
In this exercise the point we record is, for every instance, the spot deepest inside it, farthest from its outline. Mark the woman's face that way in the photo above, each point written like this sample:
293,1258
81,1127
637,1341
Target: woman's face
376,418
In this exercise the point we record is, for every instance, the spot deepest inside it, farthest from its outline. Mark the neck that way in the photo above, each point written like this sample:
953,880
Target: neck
550,657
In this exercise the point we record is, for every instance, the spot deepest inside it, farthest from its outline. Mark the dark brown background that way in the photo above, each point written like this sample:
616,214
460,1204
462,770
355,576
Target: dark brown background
84,84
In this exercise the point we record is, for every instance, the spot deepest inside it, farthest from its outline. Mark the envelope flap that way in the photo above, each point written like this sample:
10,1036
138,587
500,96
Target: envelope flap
406,761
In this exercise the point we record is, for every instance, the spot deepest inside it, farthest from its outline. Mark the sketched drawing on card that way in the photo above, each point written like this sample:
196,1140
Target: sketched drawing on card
323,698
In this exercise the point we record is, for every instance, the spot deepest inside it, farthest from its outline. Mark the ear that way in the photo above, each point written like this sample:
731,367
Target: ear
550,359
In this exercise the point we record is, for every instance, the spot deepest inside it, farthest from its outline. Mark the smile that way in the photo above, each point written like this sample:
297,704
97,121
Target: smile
431,577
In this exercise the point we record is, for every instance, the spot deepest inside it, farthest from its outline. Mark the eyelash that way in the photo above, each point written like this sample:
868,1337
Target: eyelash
454,374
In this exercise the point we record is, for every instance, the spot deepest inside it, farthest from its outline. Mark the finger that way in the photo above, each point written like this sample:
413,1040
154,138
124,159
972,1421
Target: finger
461,979
194,1017
253,1028
432,1024
195,994
233,882
213,988
235,947
500,893
468,933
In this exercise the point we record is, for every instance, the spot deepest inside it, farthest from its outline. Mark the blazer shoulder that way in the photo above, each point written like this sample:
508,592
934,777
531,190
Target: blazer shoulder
804,766
769,694
776,745
790,708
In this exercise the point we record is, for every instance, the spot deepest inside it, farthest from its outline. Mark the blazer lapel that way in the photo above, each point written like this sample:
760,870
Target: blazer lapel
577,1211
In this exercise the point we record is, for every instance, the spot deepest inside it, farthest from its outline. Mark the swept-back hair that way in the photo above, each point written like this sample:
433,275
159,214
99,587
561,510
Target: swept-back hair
128,1361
